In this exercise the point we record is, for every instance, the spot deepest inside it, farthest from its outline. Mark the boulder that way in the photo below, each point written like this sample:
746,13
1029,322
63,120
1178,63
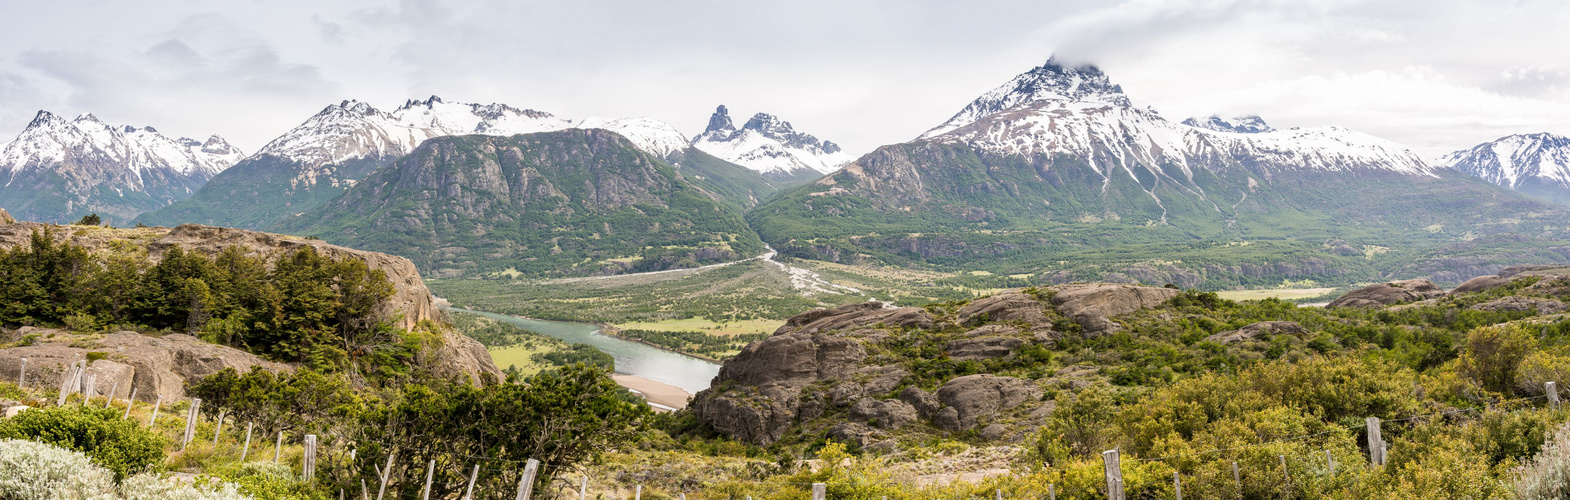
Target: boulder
981,348
868,381
973,397
887,414
1092,306
155,366
1005,307
1257,330
854,432
1481,283
462,358
1390,293
1518,303
854,316
926,404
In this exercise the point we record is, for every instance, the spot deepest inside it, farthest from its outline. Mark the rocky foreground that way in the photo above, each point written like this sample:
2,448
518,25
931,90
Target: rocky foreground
159,365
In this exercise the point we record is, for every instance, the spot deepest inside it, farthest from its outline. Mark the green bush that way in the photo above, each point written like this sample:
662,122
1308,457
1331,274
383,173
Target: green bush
121,446
1493,354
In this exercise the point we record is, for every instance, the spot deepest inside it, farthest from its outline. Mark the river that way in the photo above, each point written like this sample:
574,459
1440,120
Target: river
632,358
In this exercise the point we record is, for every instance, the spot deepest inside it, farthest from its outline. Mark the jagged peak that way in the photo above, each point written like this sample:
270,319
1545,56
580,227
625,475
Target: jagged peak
1244,124
768,124
1052,81
45,118
87,118
349,106
720,121
428,102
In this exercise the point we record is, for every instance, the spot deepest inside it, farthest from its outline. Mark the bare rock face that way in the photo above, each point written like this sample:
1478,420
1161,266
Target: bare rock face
854,316
1390,293
460,357
1005,307
981,347
758,393
1092,306
154,366
1518,303
1481,283
1257,330
973,397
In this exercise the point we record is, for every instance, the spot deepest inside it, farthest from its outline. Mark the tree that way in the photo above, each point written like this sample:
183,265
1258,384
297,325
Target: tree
90,220
560,417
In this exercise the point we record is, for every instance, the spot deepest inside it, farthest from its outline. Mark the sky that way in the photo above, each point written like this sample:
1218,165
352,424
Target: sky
1435,75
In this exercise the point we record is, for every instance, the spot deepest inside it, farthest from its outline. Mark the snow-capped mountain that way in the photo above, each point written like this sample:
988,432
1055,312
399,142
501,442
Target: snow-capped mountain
769,146
1076,111
57,169
652,136
1249,124
1537,164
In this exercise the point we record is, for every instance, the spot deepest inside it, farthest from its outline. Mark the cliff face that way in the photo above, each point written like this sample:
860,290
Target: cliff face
410,303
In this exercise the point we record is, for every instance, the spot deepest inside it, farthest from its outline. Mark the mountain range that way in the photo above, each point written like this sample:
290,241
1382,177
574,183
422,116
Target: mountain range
1535,164
1058,170
59,170
1055,170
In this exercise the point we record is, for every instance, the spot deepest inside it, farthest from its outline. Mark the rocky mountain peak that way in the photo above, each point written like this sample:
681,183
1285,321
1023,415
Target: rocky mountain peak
1247,124
1538,164
1052,81
87,118
720,122
428,102
45,119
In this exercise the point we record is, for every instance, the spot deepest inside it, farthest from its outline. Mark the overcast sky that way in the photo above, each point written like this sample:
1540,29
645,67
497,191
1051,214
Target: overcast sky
1436,75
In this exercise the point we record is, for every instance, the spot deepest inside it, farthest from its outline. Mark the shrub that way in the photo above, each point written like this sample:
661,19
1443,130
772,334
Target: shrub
267,480
121,446
1540,367
1494,353
1548,475
156,487
30,470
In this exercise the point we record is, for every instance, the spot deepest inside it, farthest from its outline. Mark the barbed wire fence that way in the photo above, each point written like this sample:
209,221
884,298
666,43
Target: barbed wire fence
77,381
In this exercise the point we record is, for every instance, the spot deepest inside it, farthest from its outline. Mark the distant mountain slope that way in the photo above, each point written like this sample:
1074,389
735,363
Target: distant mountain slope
58,170
571,202
771,147
324,156
1535,164
1057,171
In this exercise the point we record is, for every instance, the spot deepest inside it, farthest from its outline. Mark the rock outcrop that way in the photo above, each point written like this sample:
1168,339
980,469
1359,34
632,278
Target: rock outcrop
156,367
1257,330
1092,306
1481,284
1518,303
1390,293
839,359
411,301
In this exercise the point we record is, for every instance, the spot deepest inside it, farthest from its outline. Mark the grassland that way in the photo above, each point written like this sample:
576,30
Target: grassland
1287,294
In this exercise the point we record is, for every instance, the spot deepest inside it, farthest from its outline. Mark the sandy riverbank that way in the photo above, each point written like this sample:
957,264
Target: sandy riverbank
659,393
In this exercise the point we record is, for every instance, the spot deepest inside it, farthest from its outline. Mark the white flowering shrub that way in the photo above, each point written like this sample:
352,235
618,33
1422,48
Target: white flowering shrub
156,487
36,471
1547,476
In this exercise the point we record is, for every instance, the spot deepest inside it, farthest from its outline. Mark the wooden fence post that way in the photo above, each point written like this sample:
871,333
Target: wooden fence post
1331,459
309,466
1052,491
1177,485
89,387
113,389
278,448
218,430
190,422
386,473
156,404
129,402
1285,474
468,493
247,448
1376,444
21,374
1552,389
1237,480
1114,472
820,491
365,492
430,473
526,481
637,492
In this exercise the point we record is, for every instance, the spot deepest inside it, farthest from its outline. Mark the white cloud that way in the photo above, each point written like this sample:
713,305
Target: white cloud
1437,75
